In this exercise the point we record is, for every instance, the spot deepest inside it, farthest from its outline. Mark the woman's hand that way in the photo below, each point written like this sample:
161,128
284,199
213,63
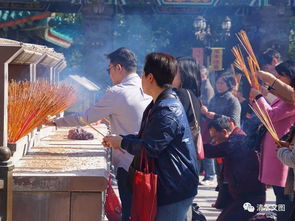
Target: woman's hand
263,91
207,113
204,109
210,115
282,143
113,141
253,93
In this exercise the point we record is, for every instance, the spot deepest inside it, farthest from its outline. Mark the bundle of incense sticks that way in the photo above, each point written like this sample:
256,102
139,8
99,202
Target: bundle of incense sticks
244,40
29,104
240,63
253,70
251,59
266,120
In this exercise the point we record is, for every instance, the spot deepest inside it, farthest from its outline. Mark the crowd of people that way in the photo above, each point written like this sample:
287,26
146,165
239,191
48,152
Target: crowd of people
173,104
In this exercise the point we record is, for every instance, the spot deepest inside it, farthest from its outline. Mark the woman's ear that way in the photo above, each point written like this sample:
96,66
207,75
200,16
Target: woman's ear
120,67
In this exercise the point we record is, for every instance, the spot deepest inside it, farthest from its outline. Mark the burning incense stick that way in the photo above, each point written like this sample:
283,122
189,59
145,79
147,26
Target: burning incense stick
88,124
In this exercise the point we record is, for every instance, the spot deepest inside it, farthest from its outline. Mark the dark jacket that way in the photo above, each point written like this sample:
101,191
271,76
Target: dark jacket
184,99
167,138
241,165
226,104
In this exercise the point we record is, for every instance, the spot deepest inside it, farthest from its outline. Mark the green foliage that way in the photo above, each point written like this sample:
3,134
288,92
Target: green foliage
69,18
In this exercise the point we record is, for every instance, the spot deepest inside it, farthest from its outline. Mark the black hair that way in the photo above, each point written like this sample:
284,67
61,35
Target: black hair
220,123
287,69
162,66
228,78
268,55
124,57
190,74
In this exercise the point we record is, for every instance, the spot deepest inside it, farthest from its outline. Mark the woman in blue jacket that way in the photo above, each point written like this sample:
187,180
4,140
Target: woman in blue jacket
166,136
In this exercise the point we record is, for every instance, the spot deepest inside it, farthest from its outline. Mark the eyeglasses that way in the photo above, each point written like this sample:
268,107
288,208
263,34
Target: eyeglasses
109,69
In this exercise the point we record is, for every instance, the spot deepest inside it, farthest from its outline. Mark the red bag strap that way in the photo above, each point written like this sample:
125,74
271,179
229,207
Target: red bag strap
110,180
149,164
143,156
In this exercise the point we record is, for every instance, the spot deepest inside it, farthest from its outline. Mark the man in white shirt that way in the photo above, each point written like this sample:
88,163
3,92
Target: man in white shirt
123,104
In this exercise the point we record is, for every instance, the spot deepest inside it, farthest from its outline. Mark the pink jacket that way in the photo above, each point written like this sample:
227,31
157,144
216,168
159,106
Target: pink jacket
282,114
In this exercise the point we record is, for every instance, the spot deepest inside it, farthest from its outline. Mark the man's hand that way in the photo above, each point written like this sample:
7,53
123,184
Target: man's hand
113,141
49,121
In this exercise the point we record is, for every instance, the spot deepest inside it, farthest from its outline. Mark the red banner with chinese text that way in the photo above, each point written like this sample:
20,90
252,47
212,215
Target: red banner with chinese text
216,59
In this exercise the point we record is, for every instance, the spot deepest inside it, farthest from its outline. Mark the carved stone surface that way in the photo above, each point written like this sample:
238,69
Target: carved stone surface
68,172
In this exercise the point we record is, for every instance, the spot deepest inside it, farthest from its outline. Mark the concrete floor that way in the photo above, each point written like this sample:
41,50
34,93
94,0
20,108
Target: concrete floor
207,195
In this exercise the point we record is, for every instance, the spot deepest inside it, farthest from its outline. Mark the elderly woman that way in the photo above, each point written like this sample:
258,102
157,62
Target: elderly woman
282,114
165,136
224,102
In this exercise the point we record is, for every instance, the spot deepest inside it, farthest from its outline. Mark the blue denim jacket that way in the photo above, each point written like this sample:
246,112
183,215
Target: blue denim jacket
166,136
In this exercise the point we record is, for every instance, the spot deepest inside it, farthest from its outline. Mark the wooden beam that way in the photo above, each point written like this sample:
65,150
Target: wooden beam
26,19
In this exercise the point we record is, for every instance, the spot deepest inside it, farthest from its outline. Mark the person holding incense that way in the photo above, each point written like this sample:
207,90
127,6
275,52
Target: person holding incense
277,87
224,102
166,138
282,116
123,104
241,168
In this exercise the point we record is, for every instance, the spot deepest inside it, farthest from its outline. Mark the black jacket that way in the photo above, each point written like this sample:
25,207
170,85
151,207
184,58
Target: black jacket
167,138
241,165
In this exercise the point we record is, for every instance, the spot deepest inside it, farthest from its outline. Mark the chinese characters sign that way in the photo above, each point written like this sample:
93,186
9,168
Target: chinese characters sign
216,59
